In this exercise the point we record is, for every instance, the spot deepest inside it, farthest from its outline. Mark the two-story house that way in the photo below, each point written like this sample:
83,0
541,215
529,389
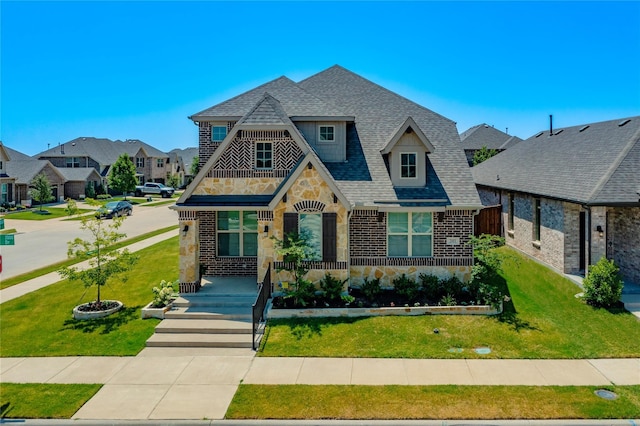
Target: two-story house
7,182
378,184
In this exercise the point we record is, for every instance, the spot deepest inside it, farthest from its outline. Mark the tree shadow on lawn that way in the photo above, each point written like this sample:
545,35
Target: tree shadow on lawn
105,325
308,327
509,313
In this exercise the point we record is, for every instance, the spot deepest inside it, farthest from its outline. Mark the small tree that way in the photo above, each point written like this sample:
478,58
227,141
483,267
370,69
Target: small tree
603,285
294,250
173,180
123,175
483,154
195,165
105,265
41,191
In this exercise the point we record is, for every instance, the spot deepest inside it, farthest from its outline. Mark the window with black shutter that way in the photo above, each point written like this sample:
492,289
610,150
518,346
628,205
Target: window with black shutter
329,237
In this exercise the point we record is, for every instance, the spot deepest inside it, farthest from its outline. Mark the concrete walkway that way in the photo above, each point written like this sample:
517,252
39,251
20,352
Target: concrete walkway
200,383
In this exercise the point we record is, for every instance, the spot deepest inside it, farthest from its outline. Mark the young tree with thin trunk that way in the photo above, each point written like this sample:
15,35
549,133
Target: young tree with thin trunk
41,191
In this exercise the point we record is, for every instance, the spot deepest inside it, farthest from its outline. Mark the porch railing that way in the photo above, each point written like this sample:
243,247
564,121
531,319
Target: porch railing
259,320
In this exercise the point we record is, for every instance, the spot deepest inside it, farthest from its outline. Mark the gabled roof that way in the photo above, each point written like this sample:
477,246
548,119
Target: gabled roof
267,112
16,155
78,173
408,125
378,113
102,150
294,99
25,170
484,135
187,155
593,164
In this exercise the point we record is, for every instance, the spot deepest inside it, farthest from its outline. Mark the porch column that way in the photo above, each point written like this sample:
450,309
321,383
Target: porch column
189,252
266,245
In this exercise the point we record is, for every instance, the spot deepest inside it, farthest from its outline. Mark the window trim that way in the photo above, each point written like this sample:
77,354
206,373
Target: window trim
240,231
537,219
333,133
72,162
415,165
511,213
226,132
263,160
409,234
159,162
318,256
139,162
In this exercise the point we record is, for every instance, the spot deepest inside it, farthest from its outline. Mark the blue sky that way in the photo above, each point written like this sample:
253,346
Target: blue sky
137,70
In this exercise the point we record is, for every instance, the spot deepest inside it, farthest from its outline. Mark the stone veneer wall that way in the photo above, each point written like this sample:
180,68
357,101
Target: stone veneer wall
369,248
189,260
624,231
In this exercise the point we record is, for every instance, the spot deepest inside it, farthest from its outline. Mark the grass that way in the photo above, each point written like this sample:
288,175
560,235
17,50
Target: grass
40,323
54,267
35,214
431,402
542,320
43,401
8,231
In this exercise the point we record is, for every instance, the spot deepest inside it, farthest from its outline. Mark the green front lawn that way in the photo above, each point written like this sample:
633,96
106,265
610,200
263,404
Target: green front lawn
543,319
43,401
431,402
40,323
36,214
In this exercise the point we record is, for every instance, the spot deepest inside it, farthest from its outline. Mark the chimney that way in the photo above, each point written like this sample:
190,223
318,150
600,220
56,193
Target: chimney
62,149
550,125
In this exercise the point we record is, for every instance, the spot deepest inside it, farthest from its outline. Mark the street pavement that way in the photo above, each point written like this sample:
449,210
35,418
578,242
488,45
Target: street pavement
39,243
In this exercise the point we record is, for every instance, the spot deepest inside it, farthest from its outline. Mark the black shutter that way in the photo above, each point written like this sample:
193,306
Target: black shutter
290,225
329,237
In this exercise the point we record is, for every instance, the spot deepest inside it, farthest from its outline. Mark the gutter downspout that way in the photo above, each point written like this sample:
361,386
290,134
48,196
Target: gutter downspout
588,231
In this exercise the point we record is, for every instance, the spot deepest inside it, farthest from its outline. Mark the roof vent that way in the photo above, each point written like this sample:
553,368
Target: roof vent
583,128
623,122
539,134
559,131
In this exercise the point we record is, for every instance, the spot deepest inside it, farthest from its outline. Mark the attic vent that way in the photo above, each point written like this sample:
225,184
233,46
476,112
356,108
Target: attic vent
623,122
559,131
409,130
584,128
539,134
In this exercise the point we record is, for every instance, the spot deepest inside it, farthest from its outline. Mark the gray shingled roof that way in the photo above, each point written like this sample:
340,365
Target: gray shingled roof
102,150
268,111
24,170
484,135
378,113
16,155
294,99
187,155
78,173
595,164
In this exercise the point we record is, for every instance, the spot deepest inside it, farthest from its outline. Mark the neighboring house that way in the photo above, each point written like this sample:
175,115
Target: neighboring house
483,135
378,183
25,170
571,197
100,153
77,180
180,164
7,182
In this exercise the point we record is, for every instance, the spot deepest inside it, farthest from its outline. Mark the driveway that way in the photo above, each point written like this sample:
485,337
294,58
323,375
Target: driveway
44,242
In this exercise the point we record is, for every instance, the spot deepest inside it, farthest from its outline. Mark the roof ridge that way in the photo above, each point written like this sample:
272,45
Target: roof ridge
615,164
271,101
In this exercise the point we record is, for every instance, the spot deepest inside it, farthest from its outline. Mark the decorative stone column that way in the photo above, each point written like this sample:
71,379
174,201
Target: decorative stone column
189,252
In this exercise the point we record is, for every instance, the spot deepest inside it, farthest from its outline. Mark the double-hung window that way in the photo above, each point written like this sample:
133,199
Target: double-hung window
264,156
512,206
139,161
4,193
159,162
408,165
310,228
218,133
73,162
326,133
536,219
237,233
410,234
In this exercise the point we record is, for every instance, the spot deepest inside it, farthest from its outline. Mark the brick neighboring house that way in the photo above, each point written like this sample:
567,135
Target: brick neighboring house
25,170
483,135
100,153
378,182
180,164
572,196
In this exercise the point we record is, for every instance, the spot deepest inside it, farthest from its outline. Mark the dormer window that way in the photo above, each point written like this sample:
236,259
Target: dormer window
264,156
218,133
326,133
408,164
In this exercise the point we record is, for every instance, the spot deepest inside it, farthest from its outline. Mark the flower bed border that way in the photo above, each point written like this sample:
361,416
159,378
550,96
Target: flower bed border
86,315
384,311
149,312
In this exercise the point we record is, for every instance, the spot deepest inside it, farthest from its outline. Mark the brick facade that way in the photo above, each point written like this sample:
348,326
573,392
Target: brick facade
624,231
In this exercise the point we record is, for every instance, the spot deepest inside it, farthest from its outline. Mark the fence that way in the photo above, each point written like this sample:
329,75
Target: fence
264,294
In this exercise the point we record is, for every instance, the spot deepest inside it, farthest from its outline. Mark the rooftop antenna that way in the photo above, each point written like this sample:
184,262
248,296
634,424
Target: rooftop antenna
550,124
507,131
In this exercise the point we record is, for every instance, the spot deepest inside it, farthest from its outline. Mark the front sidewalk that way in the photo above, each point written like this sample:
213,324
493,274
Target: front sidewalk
168,384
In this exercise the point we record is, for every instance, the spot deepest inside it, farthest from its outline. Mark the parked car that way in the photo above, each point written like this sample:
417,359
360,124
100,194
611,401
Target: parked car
115,209
154,188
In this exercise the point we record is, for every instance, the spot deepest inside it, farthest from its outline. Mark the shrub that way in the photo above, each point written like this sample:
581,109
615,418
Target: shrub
406,287
448,300
90,190
603,285
103,197
303,293
452,286
332,287
371,289
163,294
431,286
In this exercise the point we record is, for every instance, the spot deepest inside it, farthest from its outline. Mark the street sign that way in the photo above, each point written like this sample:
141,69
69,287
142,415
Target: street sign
7,240
1,223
